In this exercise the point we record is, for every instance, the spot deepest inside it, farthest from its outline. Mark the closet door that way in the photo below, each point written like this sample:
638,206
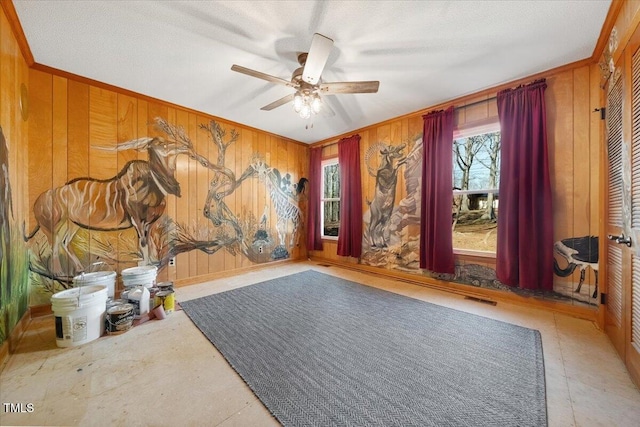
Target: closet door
632,288
622,208
617,263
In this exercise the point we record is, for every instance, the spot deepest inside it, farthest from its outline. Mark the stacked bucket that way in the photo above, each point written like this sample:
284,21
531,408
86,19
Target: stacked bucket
79,312
83,313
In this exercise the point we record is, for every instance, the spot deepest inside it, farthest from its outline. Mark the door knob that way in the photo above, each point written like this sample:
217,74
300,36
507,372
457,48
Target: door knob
621,239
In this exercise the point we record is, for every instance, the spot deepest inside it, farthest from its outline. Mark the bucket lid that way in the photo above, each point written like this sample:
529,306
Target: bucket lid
94,277
82,294
121,309
144,269
165,285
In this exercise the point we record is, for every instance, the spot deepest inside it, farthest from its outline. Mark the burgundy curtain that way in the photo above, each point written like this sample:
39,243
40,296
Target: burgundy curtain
524,256
350,234
436,244
314,235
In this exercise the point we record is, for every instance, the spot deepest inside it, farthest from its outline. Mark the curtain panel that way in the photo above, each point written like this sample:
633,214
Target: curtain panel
436,241
524,256
314,235
350,233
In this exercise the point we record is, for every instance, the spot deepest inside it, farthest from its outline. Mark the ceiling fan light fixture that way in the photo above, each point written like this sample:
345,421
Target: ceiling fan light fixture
298,102
305,112
316,104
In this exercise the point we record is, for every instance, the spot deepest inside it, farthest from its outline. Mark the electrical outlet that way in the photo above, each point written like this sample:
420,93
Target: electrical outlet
172,262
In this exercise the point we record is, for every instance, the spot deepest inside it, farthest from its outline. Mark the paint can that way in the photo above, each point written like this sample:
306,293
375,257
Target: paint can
152,297
167,300
119,319
114,302
165,286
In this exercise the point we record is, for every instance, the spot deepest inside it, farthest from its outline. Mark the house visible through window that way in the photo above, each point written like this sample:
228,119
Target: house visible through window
476,170
330,199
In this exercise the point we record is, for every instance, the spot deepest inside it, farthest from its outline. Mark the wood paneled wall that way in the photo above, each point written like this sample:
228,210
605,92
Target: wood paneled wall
13,261
574,133
70,119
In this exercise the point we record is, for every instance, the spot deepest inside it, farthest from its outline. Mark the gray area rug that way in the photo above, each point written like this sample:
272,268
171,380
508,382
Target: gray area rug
320,351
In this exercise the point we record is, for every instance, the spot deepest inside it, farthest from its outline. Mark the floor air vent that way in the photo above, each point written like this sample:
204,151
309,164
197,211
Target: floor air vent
484,301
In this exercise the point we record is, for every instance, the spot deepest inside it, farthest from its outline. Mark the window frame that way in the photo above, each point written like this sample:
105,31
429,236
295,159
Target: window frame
490,126
326,162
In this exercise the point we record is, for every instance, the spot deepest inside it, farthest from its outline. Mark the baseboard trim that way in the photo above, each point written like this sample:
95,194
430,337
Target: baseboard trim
10,345
467,290
228,273
40,310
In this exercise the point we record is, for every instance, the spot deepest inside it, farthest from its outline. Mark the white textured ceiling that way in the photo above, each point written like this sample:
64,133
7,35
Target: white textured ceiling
422,52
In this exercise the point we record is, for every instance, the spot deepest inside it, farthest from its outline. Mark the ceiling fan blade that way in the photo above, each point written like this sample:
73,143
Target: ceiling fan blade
279,102
349,87
262,76
317,58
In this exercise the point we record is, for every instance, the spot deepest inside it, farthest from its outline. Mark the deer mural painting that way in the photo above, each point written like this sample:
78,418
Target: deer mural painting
385,193
135,197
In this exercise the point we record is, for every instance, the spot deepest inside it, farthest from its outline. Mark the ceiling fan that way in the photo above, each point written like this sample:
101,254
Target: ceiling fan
307,82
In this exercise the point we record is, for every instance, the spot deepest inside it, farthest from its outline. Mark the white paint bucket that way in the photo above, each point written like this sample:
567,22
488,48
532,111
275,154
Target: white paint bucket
79,314
139,276
107,278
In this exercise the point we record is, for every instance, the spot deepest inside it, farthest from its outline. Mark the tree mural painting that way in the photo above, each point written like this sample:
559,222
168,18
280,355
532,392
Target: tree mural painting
135,199
386,239
252,239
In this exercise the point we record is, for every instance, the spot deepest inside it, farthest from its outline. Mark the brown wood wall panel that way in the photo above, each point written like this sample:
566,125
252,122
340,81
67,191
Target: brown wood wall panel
60,131
192,192
103,132
581,158
13,274
574,134
182,203
560,132
77,130
231,161
596,135
40,136
127,130
71,119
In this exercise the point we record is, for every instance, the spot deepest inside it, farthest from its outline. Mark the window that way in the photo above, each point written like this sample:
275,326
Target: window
476,169
330,199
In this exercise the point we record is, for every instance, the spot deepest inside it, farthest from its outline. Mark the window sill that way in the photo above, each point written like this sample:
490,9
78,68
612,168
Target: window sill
470,254
329,238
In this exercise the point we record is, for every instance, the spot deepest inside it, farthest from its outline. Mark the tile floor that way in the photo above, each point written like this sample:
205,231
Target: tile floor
167,373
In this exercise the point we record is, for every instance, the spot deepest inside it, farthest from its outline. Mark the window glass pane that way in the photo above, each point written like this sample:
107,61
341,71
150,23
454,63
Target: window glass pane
331,181
331,220
476,171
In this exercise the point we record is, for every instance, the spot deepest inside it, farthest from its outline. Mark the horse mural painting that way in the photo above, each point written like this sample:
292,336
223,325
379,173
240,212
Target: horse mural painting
135,197
385,191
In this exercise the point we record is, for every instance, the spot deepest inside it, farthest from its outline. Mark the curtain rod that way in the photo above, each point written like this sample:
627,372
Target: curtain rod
474,103
454,108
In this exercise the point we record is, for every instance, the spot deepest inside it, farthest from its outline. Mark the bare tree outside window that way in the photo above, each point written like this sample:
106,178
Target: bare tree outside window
330,198
476,169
